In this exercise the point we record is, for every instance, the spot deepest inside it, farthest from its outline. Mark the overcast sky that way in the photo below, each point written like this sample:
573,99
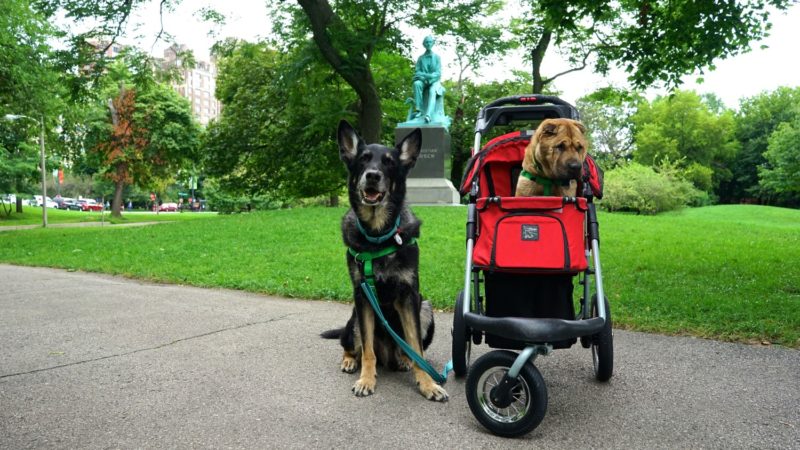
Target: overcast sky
741,76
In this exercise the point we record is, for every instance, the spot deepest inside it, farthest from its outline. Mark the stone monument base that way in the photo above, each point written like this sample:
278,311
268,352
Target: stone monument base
431,191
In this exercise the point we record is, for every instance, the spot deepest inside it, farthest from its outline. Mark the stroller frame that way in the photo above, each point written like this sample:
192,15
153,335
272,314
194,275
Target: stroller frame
492,399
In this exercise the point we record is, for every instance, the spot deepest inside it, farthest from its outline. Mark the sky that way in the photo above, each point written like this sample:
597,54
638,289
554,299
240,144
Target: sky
741,76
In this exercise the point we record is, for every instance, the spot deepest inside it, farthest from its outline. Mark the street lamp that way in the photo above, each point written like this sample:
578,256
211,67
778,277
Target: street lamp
41,148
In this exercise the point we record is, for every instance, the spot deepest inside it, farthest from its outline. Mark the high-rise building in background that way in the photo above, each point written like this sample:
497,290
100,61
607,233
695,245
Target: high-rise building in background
197,85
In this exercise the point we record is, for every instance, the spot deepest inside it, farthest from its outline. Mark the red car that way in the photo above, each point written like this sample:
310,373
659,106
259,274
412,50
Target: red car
88,204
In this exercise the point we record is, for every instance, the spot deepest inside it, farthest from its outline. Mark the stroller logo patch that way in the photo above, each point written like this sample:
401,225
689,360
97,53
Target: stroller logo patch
530,232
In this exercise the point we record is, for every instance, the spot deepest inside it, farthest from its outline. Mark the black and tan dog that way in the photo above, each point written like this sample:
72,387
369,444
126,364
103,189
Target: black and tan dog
379,219
553,159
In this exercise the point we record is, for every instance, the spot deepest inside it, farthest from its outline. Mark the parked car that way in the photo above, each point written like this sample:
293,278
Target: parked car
168,207
71,204
63,202
49,201
87,204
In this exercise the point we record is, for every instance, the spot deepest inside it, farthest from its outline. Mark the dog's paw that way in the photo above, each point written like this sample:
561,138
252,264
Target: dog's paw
349,364
403,364
433,392
364,387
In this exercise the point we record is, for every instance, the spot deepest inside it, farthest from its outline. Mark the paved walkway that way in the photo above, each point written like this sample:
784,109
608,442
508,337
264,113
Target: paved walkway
80,224
92,361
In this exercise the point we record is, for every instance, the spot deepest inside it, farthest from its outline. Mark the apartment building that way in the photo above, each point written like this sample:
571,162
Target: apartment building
197,84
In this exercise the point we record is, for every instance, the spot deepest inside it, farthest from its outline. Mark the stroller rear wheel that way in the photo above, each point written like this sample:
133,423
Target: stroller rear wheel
603,346
511,415
462,344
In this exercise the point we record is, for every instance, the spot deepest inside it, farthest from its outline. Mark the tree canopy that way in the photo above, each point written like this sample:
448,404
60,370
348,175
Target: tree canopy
780,176
31,86
274,134
757,118
682,129
654,42
607,115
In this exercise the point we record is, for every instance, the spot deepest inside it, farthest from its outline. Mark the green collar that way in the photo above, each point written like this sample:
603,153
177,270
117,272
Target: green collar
367,257
547,183
379,239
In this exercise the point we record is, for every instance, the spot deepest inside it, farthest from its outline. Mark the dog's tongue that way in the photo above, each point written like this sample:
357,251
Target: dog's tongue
372,196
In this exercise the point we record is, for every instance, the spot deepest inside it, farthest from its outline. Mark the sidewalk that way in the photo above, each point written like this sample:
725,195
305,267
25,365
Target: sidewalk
80,224
93,361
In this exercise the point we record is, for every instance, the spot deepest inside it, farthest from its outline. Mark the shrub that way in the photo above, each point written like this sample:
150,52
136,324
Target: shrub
638,188
227,203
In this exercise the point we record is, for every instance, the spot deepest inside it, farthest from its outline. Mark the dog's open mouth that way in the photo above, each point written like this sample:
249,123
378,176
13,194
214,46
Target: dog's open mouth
372,196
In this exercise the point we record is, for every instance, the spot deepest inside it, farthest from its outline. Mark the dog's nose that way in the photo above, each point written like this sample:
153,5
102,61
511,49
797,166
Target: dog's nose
373,176
574,166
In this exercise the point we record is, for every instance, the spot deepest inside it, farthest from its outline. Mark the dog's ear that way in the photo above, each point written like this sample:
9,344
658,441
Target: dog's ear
349,142
549,128
410,147
580,126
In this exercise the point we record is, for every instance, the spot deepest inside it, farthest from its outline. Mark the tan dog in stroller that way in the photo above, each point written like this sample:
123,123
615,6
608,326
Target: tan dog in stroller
553,160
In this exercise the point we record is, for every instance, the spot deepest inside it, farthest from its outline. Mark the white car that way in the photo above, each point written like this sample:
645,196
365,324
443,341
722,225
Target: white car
50,202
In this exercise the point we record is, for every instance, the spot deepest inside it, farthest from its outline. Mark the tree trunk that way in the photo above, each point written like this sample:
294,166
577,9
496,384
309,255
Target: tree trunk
116,203
537,55
369,117
333,200
350,63
19,205
119,184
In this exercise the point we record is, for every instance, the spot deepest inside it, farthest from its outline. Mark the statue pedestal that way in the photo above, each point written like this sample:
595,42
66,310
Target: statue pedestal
431,191
427,184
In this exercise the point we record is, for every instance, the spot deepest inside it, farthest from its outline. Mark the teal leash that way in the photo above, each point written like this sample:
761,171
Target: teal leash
440,378
368,287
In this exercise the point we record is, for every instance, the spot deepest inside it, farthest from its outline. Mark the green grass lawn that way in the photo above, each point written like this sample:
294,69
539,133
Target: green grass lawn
32,215
722,272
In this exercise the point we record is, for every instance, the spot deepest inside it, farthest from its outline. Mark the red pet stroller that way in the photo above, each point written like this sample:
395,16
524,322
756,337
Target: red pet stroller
522,256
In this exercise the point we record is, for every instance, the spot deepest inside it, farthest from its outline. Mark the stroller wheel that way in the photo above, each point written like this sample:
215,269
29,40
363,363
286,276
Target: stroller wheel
461,338
519,412
603,346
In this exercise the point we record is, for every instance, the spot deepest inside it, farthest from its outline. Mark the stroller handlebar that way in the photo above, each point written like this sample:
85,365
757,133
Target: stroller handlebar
527,99
527,107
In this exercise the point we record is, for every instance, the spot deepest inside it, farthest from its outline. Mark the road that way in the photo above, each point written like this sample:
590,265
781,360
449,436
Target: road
93,361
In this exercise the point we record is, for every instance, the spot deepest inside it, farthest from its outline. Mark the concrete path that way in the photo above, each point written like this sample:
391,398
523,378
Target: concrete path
91,361
81,224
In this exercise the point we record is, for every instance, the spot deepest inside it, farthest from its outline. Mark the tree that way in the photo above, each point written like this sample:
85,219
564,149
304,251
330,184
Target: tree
19,159
30,86
142,134
682,129
758,117
475,39
274,136
607,115
653,41
781,174
474,97
348,35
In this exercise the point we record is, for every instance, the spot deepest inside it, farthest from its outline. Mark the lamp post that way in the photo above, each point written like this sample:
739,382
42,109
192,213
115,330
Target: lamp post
41,149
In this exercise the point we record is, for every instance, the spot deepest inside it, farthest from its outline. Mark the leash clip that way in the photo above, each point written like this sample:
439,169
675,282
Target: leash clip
398,239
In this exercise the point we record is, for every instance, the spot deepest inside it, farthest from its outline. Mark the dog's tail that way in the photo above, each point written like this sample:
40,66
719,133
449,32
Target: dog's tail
332,334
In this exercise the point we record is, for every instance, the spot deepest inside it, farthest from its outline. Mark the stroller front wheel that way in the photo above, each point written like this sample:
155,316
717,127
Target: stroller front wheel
519,412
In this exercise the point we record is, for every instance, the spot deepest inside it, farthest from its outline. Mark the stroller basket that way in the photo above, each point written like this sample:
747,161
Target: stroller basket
531,234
